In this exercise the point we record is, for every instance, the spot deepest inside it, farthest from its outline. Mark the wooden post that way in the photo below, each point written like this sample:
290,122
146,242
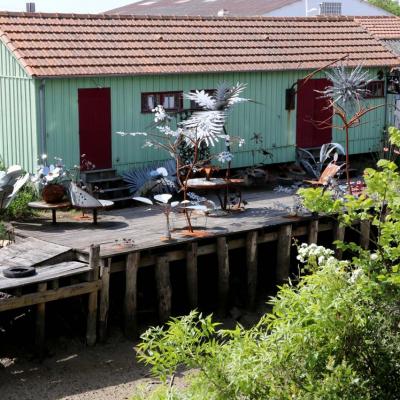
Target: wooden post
313,231
252,264
91,325
283,253
132,267
40,322
95,216
104,299
163,288
54,216
338,234
365,230
223,274
191,275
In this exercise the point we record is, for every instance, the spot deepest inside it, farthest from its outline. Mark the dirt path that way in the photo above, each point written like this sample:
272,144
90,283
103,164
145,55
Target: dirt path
76,372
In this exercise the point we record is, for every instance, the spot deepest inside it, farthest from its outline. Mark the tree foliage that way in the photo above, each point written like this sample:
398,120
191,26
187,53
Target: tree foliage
389,5
333,335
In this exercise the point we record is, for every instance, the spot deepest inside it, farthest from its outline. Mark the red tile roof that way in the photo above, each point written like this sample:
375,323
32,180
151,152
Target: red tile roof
202,7
381,27
56,45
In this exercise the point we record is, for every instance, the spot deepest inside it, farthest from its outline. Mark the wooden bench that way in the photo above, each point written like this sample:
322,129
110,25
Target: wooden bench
42,205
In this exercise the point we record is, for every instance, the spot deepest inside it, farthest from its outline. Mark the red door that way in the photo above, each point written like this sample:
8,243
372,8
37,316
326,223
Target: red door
95,126
311,111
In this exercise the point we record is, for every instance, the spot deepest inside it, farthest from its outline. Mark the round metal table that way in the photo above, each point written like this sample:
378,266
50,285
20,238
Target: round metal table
216,184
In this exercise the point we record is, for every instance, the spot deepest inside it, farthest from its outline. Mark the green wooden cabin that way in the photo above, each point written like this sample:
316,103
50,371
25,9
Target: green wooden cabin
68,83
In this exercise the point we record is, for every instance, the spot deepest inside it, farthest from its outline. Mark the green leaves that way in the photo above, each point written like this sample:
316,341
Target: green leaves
166,349
336,335
388,5
318,200
394,136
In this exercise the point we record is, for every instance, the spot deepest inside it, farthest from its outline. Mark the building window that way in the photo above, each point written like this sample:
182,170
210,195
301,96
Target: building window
375,89
330,8
193,105
171,101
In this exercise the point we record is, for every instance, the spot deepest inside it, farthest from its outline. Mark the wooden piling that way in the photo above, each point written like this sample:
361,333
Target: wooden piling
223,274
252,264
163,288
338,234
191,275
40,322
313,231
104,299
365,231
91,326
132,267
283,253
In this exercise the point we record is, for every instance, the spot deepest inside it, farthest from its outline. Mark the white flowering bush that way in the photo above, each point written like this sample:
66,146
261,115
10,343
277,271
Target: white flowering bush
314,254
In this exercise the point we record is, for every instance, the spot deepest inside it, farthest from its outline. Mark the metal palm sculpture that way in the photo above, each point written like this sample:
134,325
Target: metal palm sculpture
213,117
204,128
210,122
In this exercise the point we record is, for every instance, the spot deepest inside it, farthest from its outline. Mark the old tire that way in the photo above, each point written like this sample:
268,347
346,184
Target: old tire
19,272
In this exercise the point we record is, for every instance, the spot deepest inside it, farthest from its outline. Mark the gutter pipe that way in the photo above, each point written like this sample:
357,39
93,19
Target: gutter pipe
42,117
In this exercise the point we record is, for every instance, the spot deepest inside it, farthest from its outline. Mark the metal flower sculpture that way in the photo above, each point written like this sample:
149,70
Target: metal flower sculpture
162,200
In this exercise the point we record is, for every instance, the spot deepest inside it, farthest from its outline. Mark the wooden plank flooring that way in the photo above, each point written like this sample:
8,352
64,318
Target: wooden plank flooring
30,251
145,226
44,274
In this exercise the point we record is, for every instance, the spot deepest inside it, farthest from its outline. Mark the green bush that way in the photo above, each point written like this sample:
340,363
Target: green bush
18,209
335,335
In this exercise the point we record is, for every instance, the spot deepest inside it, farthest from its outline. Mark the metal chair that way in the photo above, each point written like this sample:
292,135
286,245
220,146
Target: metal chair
84,201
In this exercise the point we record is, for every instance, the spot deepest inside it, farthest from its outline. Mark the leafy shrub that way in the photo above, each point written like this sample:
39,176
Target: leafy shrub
335,335
18,209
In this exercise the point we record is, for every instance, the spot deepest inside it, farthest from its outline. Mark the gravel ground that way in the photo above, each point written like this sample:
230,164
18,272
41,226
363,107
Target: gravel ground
76,372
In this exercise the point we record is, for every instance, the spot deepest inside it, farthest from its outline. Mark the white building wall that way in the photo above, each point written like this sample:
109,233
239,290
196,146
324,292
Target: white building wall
349,7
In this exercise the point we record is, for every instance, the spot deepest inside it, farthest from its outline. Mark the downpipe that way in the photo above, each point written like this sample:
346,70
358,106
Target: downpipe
42,117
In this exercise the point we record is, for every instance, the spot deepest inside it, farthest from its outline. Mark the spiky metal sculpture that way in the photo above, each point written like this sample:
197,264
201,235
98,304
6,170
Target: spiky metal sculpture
346,95
348,88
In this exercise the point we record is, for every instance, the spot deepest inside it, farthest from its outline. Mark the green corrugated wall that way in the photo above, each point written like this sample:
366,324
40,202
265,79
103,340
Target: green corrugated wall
18,114
268,116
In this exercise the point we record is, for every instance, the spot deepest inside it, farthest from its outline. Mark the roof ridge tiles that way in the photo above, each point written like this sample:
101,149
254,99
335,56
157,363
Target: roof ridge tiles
170,17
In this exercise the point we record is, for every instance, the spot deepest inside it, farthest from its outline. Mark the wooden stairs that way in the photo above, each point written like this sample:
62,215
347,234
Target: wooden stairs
108,185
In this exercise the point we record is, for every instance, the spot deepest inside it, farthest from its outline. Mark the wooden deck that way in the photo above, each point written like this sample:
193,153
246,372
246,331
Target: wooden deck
129,239
145,226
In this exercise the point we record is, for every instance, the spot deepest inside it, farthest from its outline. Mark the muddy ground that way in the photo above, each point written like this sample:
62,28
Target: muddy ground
73,371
